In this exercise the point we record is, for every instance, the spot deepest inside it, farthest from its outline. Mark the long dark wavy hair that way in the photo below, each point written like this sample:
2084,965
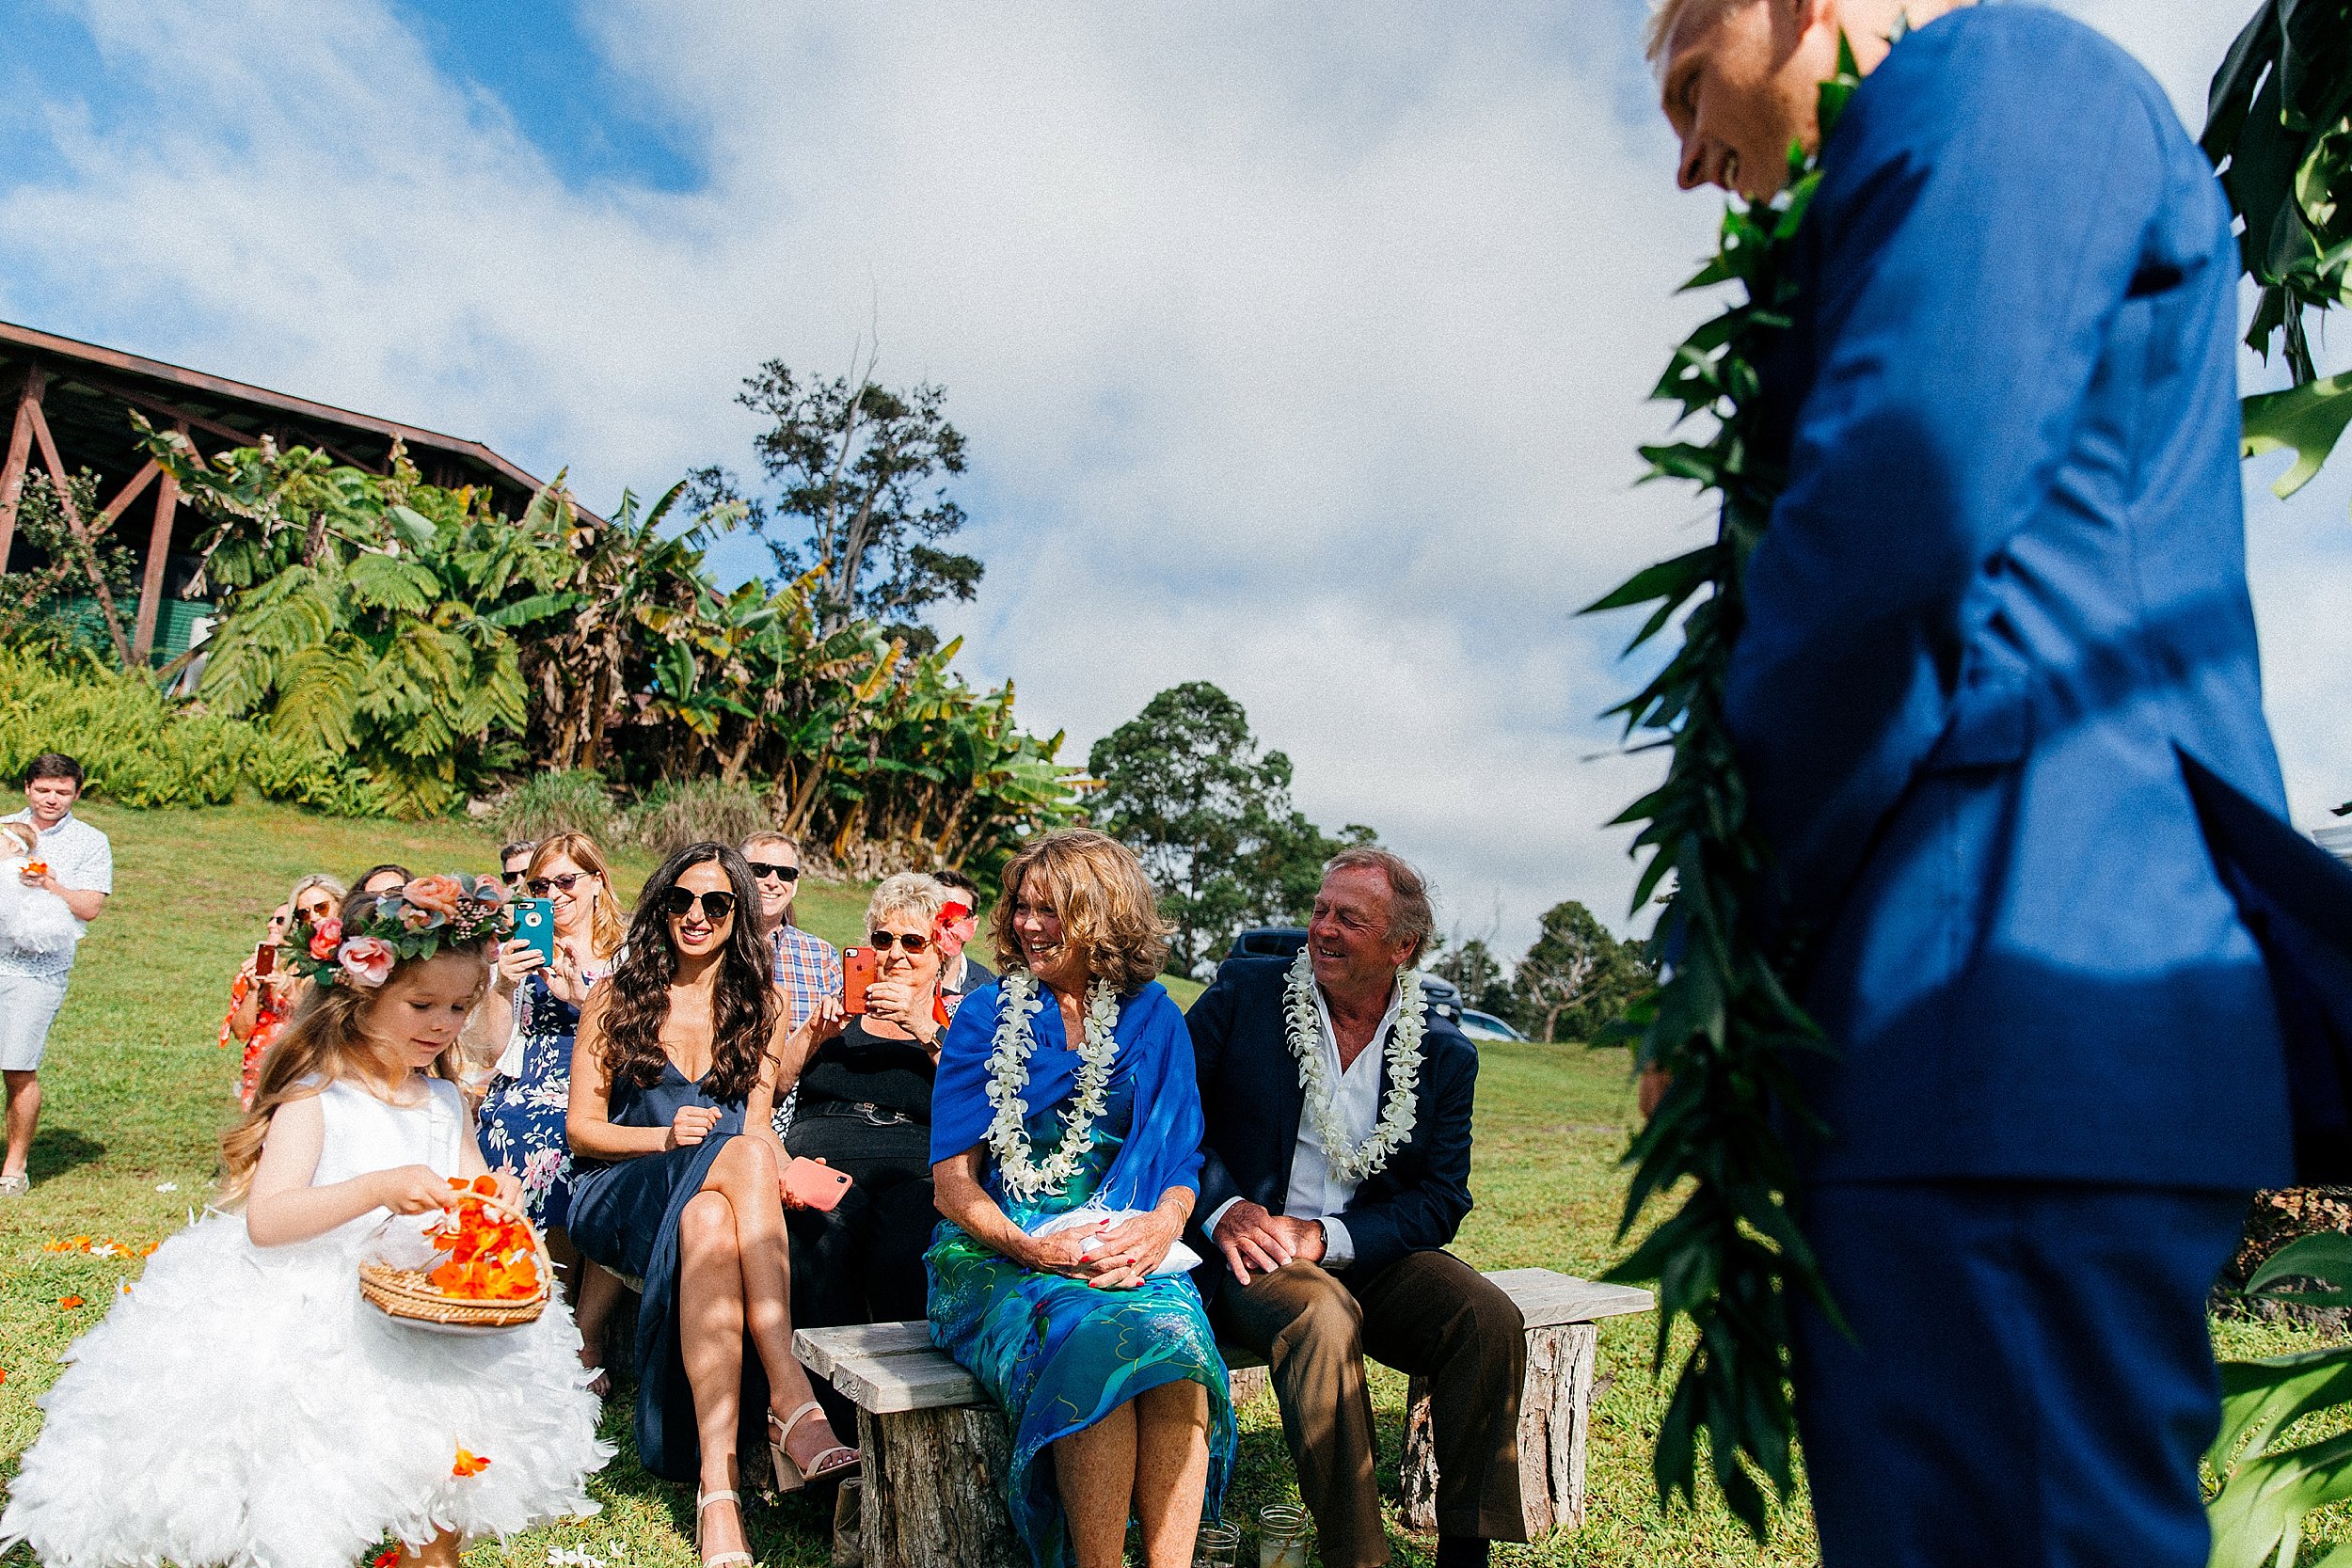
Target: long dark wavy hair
743,1010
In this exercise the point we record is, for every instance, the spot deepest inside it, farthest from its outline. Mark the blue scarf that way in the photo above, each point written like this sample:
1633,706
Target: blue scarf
1163,1144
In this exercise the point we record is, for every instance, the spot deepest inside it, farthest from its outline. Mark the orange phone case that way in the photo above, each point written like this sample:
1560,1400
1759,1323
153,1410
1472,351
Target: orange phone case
858,969
817,1184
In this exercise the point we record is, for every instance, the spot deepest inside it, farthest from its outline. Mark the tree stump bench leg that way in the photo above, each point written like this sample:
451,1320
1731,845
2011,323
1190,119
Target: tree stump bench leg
934,1489
1555,1404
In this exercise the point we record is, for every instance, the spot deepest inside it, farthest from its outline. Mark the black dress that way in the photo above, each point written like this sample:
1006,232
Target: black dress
864,1108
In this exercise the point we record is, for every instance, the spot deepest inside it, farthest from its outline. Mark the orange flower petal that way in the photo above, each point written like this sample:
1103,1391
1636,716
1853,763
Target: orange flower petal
67,1304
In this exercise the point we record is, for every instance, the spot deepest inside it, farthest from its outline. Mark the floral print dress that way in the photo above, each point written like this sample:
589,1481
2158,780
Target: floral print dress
522,1117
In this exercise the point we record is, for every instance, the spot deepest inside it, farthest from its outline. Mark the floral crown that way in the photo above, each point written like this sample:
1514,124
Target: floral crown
427,915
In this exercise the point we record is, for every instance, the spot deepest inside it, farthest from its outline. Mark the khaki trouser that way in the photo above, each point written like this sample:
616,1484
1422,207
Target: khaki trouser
1428,1314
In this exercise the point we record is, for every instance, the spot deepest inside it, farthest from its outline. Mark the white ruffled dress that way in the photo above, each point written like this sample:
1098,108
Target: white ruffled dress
243,1405
34,922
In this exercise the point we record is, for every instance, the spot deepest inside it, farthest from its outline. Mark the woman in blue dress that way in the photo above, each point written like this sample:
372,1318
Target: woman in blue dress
1067,1177
521,1120
677,1182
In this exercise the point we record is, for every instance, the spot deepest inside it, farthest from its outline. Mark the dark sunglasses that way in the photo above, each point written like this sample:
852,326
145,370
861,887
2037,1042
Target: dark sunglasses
678,903
539,885
765,869
914,942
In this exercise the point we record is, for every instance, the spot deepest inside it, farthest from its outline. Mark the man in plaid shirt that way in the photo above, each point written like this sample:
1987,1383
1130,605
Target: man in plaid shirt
808,968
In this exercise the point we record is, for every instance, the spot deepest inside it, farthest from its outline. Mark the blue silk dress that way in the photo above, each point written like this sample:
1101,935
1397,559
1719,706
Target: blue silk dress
1058,1355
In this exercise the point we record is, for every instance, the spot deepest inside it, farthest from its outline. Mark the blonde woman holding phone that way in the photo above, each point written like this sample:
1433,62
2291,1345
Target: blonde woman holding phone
521,1119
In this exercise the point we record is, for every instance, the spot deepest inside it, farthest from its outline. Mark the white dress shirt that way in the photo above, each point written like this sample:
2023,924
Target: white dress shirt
1314,1193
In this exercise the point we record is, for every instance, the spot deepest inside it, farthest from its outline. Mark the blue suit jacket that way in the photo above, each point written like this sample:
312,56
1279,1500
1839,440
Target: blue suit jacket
2003,592
1250,1104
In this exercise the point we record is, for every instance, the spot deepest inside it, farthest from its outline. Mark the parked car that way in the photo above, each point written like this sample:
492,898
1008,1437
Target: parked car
1485,1026
1283,942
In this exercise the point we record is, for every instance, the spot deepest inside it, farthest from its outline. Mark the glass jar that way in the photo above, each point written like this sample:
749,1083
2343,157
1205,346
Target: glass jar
1216,1545
1282,1534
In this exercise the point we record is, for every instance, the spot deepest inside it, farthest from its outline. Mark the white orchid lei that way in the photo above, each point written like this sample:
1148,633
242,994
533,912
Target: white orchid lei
1009,1079
1350,1166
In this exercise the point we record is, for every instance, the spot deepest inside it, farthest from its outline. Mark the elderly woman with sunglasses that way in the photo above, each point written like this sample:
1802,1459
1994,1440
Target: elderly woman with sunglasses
677,1182
864,1108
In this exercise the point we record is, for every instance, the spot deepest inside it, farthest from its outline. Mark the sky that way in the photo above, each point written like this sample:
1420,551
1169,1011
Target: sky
1302,349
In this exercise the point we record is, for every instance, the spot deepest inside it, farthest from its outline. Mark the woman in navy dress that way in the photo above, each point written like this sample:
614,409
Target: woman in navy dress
677,1182
1067,1173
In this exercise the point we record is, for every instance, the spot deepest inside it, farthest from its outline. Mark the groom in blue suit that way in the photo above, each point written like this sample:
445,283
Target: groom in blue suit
1997,669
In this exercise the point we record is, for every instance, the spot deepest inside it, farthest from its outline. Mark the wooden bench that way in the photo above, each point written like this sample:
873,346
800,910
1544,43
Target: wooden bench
936,1450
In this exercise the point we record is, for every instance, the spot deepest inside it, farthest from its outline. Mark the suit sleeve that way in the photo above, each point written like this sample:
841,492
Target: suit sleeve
1971,260
1427,1214
1211,1022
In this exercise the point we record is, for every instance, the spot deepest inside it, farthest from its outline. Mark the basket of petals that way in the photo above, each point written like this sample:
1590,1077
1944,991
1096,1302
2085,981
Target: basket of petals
476,1268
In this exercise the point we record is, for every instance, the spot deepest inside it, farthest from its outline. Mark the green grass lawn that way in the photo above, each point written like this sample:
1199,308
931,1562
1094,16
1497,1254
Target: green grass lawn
137,1090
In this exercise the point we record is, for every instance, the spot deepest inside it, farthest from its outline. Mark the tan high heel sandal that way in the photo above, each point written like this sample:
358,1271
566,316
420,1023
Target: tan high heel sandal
725,1560
840,1460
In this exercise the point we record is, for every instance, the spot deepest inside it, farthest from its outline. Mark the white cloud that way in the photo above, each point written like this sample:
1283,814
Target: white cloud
1299,350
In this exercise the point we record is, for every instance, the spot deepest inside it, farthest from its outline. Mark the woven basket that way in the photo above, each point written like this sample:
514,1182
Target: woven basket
409,1294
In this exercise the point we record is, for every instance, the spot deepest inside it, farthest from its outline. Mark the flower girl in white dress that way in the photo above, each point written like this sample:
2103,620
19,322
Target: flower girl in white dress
243,1406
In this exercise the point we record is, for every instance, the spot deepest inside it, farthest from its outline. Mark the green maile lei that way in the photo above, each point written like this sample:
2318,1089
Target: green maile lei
1723,1022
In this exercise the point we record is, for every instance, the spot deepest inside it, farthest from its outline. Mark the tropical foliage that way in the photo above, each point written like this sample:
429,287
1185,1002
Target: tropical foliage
2279,125
1721,1023
371,617
445,649
140,749
2267,1485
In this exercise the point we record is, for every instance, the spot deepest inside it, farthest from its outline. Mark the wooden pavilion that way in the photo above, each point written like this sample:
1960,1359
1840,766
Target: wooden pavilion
73,406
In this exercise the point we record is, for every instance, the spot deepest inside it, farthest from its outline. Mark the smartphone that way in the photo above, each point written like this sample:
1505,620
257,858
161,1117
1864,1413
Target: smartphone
814,1184
858,969
265,958
535,923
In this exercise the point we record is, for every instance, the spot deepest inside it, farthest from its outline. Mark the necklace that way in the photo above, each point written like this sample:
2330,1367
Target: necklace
1009,1080
1349,1166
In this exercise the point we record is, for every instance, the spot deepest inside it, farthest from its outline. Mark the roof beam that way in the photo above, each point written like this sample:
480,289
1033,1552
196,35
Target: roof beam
19,449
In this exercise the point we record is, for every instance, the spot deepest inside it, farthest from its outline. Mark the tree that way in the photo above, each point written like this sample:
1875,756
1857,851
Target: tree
1576,977
1479,975
858,515
1184,785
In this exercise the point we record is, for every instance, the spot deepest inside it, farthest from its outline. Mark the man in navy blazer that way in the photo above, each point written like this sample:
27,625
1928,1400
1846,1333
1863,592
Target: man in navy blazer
1325,1221
1997,627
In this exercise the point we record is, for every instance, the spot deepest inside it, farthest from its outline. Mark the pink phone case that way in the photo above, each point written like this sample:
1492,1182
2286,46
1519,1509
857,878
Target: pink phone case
818,1185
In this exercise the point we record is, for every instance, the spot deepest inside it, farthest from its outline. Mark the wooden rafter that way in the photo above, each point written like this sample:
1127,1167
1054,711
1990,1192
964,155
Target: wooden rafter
129,493
158,555
82,534
20,450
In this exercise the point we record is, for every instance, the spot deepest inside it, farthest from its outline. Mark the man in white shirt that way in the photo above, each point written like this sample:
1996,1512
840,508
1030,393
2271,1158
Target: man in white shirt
1336,1169
76,864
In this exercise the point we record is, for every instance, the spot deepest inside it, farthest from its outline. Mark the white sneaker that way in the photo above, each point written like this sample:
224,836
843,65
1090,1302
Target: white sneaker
15,1186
